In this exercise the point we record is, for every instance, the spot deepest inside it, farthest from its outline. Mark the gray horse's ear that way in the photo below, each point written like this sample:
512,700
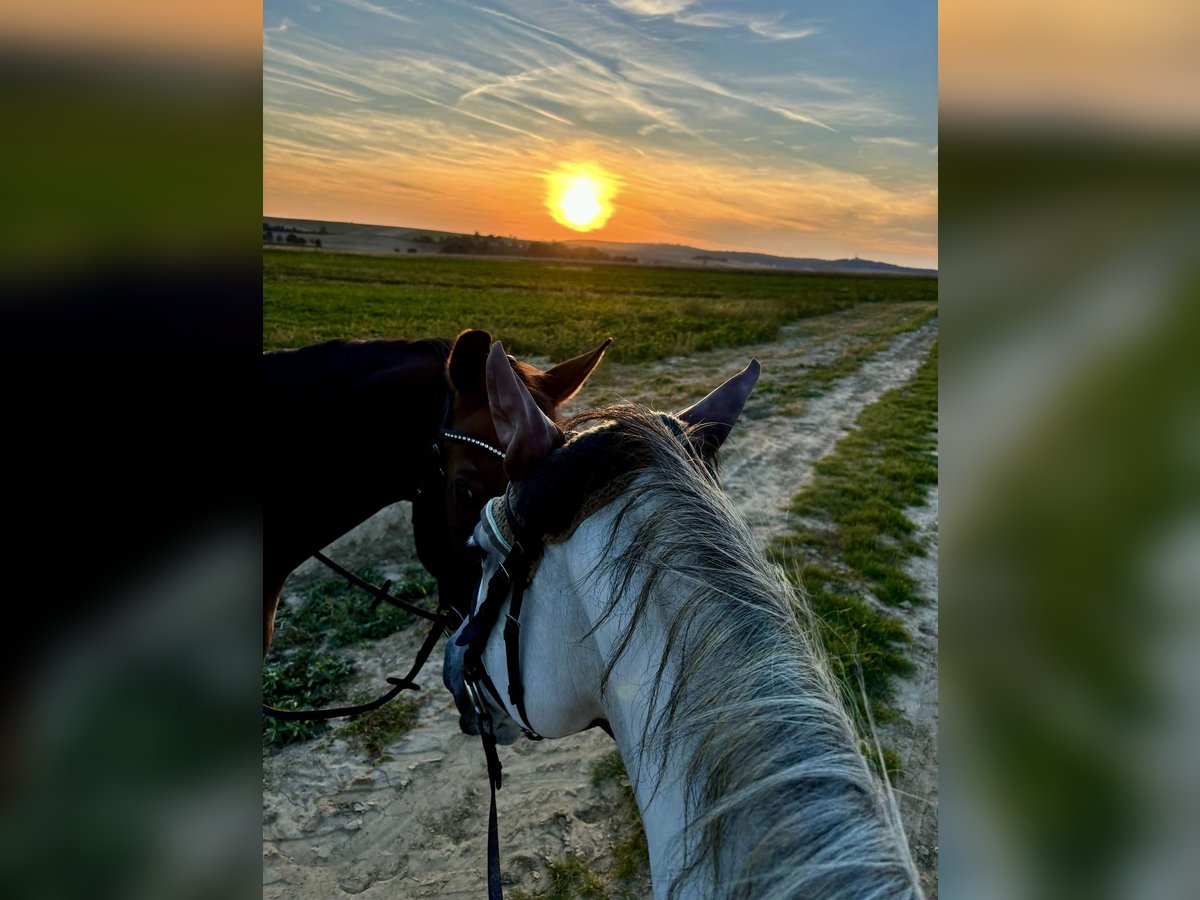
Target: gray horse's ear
525,433
714,416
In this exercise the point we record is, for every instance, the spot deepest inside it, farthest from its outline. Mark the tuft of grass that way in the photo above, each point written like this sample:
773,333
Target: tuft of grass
631,853
863,646
377,729
574,877
858,538
609,767
569,878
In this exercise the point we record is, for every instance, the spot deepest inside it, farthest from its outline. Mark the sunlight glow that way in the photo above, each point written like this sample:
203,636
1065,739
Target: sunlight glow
580,196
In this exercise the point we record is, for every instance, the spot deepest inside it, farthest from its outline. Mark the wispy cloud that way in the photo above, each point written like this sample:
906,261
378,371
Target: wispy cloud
275,75
888,142
656,72
582,78
766,26
463,112
776,32
652,7
510,81
539,111
364,6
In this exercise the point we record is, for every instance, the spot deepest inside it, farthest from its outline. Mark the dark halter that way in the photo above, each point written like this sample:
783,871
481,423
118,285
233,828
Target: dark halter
510,580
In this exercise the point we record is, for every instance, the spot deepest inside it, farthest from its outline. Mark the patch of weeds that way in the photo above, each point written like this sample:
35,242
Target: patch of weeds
304,669
302,679
859,494
574,877
337,614
862,489
889,765
570,878
375,730
864,647
609,767
631,853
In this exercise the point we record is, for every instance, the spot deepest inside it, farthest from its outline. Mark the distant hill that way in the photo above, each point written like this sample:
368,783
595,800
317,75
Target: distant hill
681,254
388,239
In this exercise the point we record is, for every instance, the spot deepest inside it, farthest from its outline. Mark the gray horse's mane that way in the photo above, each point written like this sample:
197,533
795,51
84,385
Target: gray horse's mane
776,771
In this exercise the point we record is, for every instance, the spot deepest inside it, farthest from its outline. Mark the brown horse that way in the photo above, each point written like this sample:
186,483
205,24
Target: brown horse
356,426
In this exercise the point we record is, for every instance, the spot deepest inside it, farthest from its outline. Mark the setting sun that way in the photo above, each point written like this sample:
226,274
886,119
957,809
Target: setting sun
579,196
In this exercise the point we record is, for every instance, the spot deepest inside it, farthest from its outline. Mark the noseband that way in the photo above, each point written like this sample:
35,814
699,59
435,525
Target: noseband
469,439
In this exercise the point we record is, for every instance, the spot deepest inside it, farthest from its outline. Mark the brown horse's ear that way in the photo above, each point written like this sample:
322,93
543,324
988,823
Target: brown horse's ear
564,381
468,357
525,433
715,415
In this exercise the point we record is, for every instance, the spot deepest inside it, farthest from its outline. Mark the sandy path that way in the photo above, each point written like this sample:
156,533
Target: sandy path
413,824
914,737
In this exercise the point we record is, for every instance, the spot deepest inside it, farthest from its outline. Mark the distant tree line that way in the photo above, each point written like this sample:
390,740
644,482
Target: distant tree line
268,227
493,245
275,234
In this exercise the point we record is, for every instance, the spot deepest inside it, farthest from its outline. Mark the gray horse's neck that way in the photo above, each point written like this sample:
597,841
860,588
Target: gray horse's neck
798,811
633,707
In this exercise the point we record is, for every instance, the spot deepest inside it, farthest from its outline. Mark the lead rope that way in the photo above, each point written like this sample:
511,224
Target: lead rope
475,637
477,678
495,890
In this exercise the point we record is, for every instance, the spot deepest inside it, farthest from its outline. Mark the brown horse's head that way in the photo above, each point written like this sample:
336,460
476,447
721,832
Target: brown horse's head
444,522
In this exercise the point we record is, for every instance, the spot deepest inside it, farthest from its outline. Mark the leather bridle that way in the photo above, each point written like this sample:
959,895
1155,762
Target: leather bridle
441,622
510,580
522,546
512,577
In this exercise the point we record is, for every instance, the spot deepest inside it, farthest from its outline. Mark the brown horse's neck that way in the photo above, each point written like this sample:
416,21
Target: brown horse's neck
350,430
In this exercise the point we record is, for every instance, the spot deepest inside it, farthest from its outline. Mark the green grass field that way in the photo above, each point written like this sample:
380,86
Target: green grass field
551,310
858,537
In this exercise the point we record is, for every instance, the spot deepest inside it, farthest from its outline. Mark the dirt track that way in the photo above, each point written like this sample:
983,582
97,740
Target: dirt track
413,824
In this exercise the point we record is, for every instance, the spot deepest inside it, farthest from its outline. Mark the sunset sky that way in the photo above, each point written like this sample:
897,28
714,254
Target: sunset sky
796,129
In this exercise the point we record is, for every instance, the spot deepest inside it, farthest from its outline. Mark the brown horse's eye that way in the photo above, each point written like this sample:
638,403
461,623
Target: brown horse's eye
466,495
